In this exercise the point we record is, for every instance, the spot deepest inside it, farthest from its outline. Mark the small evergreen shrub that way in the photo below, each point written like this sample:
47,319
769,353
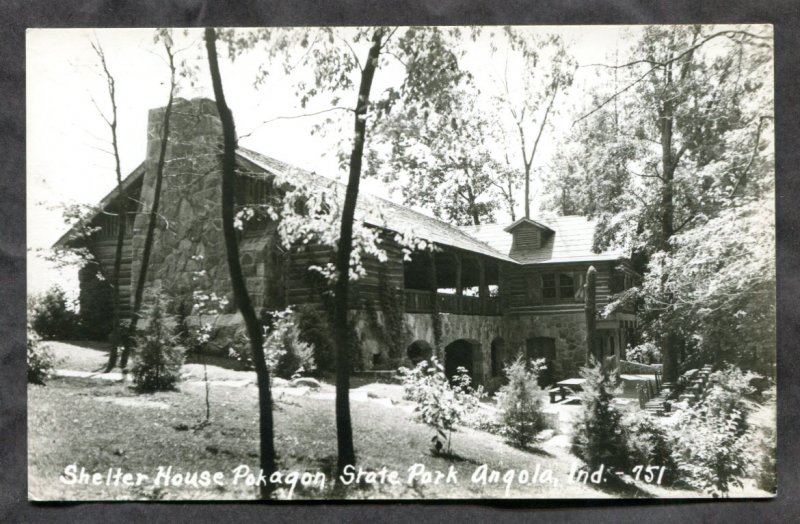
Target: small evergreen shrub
40,358
158,359
713,444
650,444
521,402
598,436
442,403
53,318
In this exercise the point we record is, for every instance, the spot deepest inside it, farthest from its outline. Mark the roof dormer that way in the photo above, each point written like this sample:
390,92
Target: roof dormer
528,235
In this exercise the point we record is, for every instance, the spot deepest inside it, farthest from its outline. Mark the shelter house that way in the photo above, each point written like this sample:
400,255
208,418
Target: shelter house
484,294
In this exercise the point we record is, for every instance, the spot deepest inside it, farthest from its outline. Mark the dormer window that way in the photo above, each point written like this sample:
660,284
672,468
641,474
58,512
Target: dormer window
527,236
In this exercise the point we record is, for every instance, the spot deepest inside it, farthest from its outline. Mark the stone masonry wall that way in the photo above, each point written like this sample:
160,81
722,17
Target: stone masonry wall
568,330
190,220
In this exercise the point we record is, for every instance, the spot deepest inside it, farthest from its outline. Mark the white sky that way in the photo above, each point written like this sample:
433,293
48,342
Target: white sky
66,135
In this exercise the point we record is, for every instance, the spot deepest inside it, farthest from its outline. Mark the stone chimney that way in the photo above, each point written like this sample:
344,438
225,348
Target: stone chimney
189,223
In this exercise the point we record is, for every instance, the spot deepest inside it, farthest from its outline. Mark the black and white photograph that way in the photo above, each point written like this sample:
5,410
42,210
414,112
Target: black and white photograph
401,263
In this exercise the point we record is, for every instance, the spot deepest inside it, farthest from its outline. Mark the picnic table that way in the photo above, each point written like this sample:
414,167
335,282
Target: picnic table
565,387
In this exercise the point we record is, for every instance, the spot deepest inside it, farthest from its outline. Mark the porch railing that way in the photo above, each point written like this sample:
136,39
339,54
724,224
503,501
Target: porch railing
418,301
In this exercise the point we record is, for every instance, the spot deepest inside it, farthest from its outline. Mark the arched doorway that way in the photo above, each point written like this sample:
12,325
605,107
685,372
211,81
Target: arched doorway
418,351
460,353
498,355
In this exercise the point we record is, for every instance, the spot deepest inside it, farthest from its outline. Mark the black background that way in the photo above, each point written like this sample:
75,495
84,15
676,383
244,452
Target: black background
17,15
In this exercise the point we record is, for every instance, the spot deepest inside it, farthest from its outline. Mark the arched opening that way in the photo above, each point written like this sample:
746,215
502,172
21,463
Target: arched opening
460,354
418,351
498,355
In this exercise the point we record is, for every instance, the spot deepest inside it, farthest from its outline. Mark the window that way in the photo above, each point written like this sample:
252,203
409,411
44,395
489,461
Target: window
548,285
558,287
566,287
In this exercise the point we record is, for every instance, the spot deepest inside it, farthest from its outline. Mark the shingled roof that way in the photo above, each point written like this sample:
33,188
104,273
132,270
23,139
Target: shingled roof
571,241
383,213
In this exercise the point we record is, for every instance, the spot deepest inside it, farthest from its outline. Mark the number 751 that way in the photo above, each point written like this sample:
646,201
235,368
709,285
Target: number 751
651,473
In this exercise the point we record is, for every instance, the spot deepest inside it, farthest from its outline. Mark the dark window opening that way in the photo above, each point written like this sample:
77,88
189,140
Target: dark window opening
549,285
566,286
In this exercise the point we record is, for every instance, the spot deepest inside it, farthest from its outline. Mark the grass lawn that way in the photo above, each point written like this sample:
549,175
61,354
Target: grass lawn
99,425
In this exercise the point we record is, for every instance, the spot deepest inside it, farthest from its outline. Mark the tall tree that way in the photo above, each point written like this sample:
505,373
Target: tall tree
166,37
122,212
683,118
324,62
344,426
240,294
548,70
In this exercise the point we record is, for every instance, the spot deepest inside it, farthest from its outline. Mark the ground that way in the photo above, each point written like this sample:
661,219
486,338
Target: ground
97,423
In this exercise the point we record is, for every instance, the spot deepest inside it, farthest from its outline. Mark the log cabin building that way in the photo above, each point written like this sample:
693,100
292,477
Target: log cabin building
483,295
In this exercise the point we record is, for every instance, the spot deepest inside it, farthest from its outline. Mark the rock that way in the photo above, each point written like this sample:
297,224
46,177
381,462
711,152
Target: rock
305,381
545,435
279,382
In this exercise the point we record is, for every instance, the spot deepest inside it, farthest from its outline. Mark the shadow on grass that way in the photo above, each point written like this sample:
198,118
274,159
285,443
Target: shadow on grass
619,487
533,450
454,457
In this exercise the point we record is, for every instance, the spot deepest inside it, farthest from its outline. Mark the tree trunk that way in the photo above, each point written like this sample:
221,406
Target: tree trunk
590,309
153,218
668,353
240,295
344,427
116,330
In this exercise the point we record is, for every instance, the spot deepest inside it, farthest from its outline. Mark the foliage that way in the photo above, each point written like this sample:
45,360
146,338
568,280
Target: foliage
673,157
444,161
441,402
53,317
767,472
712,437
393,332
95,300
521,402
285,353
644,353
650,444
722,275
315,331
158,359
598,436
40,359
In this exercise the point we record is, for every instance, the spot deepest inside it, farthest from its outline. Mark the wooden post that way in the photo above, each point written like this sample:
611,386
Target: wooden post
500,285
459,284
589,310
482,289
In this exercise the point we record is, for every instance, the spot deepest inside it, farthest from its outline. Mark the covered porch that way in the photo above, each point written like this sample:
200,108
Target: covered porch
454,282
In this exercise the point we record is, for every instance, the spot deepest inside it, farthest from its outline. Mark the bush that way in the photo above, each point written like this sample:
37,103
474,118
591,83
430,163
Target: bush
650,444
767,473
285,353
598,436
441,403
520,402
646,353
40,359
52,316
96,300
712,438
158,359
